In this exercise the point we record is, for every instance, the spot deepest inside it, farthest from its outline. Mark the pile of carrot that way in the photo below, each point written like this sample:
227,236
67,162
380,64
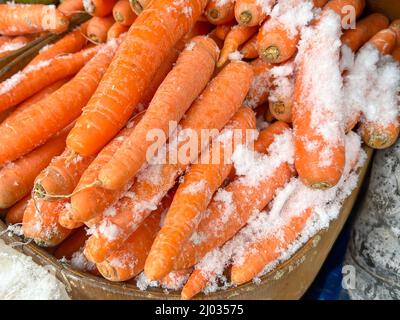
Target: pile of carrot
75,151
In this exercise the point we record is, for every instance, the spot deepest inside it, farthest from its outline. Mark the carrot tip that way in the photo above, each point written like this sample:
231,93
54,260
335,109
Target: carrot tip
321,185
278,107
245,17
213,13
271,54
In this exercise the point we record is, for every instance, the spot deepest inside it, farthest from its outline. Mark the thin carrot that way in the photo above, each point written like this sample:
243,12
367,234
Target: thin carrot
138,5
195,284
70,7
220,12
17,178
252,12
234,39
114,101
123,13
245,199
384,41
20,19
396,54
175,279
190,74
222,30
379,136
268,116
259,253
249,49
98,27
16,213
72,244
192,198
40,222
33,78
116,30
99,8
364,30
63,106
205,113
395,26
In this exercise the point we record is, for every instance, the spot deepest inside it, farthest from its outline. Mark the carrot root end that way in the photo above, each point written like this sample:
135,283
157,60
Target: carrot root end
271,53
321,185
213,14
245,17
137,7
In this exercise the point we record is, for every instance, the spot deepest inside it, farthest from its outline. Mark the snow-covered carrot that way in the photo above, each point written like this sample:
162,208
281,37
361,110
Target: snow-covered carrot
220,11
252,12
385,41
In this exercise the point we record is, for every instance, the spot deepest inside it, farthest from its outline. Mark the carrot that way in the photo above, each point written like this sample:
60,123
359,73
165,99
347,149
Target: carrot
72,244
19,19
70,43
396,54
40,222
252,12
195,284
88,203
98,27
17,178
259,253
249,49
395,26
138,5
268,116
128,261
365,29
339,6
4,39
259,89
384,41
13,45
191,73
35,77
220,12
99,8
234,39
116,30
123,13
379,136
114,101
205,113
16,212
62,107
245,199
175,279
282,109
191,199
70,7
222,30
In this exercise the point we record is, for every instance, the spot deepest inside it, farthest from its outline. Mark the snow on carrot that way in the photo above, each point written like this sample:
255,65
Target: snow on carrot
220,11
318,105
175,280
252,12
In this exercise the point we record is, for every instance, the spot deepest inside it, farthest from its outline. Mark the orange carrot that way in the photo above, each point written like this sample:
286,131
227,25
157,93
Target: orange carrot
4,39
249,49
16,213
384,41
396,54
268,116
99,8
191,73
191,200
98,27
70,7
220,12
19,19
35,77
123,13
222,30
365,29
138,5
116,30
282,109
195,284
266,250
17,178
205,113
40,222
175,279
62,107
252,12
245,199
395,26
72,244
234,39
379,136
13,45
114,101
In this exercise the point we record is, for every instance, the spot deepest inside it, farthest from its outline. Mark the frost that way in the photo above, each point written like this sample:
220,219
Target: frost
236,55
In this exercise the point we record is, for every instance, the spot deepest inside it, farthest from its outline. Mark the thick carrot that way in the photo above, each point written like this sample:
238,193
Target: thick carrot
98,27
192,198
123,13
33,78
195,284
138,5
250,48
74,243
259,89
395,26
116,30
396,54
190,74
384,41
16,213
62,107
17,178
245,199
259,253
114,101
19,19
220,12
234,39
364,30
70,7
99,8
40,222
205,113
252,12
379,136
175,279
